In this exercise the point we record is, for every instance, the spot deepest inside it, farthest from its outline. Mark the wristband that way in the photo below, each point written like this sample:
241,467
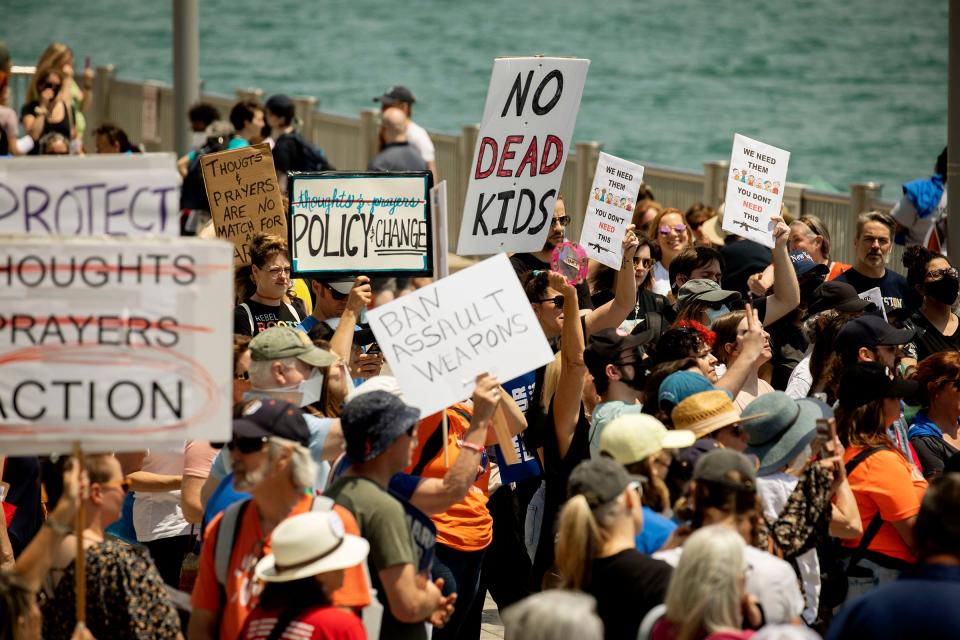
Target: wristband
58,527
471,446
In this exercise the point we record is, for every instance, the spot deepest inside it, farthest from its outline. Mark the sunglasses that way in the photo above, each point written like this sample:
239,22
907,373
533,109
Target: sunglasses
247,445
936,274
50,85
562,221
646,263
336,294
666,229
556,300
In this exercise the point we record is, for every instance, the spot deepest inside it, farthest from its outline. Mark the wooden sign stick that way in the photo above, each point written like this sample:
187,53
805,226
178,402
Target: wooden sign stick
80,568
446,433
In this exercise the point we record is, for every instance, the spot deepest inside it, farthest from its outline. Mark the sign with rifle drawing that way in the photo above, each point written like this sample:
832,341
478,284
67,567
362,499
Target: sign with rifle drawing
610,208
758,174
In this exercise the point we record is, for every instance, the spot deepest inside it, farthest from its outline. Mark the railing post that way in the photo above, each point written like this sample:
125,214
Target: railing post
468,143
305,106
369,136
588,154
862,195
793,198
715,182
101,96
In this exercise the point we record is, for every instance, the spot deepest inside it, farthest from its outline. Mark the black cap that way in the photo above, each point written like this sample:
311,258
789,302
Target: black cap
279,104
372,421
396,93
866,382
714,467
871,331
265,418
840,296
599,480
605,347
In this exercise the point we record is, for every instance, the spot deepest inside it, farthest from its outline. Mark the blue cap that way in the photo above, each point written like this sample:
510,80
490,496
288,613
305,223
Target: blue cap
803,264
679,385
372,421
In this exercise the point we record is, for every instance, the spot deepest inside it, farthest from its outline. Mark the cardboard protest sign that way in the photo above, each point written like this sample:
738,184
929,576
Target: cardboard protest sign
441,244
116,344
117,195
758,174
610,208
346,224
521,151
244,196
439,338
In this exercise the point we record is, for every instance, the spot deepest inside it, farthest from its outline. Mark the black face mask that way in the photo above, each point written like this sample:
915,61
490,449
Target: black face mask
944,290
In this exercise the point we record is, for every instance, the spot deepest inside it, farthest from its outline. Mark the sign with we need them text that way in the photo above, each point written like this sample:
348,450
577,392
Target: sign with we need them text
521,151
758,174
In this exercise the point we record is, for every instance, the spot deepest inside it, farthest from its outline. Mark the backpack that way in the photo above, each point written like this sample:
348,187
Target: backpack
193,193
308,157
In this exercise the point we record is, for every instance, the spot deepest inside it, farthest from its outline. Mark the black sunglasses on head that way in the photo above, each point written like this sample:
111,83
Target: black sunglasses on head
247,445
557,300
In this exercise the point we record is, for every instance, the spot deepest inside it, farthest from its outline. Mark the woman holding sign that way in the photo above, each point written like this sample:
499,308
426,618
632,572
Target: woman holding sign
672,236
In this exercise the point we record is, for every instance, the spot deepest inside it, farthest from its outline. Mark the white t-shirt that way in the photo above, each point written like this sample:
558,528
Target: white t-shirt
769,579
800,381
157,514
420,139
661,279
775,490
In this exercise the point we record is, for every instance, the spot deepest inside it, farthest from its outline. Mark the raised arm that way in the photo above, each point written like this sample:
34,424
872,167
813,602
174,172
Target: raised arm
786,289
611,314
566,400
751,344
361,295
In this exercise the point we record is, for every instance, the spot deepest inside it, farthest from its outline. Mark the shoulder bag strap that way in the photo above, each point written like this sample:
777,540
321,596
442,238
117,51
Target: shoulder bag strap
293,312
431,448
246,308
226,539
874,527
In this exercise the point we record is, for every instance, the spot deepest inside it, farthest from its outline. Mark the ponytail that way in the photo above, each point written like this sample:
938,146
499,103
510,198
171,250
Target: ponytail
582,531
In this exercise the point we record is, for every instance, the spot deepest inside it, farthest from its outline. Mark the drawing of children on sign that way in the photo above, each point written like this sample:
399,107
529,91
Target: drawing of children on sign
603,195
629,206
609,198
596,193
736,175
743,176
776,187
766,185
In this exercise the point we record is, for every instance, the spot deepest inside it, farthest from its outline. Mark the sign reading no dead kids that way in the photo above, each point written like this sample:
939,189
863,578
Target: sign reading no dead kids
521,152
113,343
346,224
758,173
610,208
244,196
439,338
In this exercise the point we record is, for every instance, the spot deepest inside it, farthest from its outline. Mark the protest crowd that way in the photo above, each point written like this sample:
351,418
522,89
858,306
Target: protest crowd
727,440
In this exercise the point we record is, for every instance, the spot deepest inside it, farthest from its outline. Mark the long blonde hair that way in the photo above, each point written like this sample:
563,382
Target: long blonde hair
705,589
47,63
582,532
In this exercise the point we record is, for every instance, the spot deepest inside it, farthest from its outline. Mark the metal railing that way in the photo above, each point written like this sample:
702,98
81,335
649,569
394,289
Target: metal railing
351,142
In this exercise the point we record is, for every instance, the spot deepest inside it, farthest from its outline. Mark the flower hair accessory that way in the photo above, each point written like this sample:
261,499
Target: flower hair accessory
708,336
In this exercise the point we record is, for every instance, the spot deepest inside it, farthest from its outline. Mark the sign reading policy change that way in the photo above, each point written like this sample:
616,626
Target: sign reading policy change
521,151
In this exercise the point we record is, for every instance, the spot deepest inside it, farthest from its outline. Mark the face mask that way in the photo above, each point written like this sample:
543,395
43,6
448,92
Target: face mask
944,290
713,314
311,388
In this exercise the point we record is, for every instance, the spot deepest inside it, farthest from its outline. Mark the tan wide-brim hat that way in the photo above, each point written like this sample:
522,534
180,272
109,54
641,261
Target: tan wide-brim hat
705,412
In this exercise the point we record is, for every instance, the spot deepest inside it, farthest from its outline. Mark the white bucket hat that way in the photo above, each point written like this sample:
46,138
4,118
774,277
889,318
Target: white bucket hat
308,544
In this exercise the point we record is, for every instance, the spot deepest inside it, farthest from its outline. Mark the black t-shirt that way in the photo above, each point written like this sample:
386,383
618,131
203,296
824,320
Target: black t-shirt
893,286
627,585
743,258
264,316
287,155
929,340
62,127
23,475
526,262
647,301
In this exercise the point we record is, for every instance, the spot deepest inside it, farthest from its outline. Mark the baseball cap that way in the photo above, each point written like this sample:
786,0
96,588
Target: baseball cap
279,104
265,418
865,382
286,342
396,93
840,296
342,287
376,383
219,129
599,480
680,385
781,428
872,331
373,421
635,437
605,347
703,290
804,265
714,467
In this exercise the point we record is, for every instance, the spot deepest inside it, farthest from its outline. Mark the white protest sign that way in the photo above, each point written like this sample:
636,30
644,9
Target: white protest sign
346,224
610,208
111,194
441,243
439,338
114,343
758,173
521,151
876,297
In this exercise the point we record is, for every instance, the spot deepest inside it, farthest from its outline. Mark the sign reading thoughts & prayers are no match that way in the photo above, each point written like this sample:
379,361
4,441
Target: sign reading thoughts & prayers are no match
110,194
244,196
346,224
521,151
758,173
439,338
114,343
610,209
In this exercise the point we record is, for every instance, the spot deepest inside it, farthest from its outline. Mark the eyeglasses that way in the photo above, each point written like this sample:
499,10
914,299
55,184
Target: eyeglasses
562,221
243,375
336,294
666,229
51,85
247,445
936,274
276,272
646,263
556,300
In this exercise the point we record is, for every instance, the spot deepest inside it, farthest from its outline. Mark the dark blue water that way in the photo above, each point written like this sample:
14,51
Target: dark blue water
856,90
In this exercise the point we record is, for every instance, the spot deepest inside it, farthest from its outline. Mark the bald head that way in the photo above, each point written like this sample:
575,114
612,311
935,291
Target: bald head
394,125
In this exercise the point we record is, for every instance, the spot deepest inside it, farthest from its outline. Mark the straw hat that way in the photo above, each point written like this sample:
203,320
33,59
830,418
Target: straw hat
308,544
705,412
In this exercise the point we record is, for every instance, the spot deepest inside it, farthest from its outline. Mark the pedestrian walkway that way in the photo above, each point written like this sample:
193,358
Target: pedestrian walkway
491,628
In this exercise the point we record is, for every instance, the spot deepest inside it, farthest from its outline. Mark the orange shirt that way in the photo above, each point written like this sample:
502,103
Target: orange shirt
885,483
242,589
836,268
467,525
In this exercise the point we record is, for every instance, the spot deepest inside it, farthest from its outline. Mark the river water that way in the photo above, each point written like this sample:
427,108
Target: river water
855,90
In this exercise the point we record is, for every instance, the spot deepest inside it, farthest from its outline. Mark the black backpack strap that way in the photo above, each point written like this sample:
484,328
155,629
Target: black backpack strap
874,527
430,449
860,457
